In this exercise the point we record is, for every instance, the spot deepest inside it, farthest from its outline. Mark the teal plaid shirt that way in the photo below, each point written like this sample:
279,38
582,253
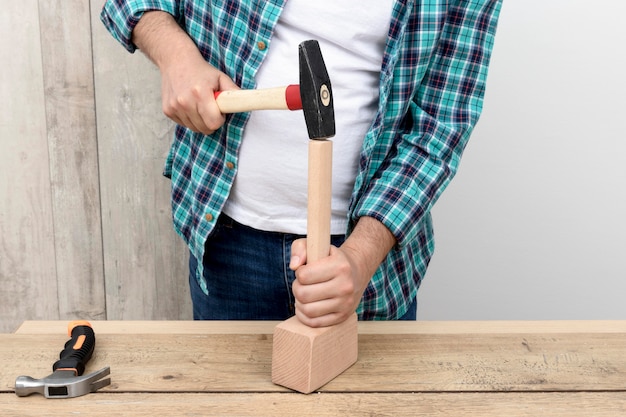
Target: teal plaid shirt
432,86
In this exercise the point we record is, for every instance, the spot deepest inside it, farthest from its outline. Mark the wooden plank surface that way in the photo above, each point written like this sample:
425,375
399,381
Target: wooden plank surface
404,369
145,261
28,285
554,404
386,363
368,327
73,155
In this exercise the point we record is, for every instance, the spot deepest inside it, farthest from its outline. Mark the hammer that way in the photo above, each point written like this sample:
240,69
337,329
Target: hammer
314,97
67,380
304,359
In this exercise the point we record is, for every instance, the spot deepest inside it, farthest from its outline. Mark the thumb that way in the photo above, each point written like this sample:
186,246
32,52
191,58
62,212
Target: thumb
298,254
226,83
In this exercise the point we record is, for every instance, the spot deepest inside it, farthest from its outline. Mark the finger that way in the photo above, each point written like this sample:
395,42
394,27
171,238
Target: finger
320,321
186,121
319,271
207,115
176,120
298,254
226,83
179,109
183,109
306,294
319,308
337,289
210,115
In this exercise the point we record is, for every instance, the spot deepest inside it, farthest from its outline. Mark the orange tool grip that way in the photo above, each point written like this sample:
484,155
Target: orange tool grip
75,323
78,350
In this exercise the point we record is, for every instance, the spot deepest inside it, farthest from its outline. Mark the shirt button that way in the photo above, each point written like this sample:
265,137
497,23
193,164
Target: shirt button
261,45
208,217
230,165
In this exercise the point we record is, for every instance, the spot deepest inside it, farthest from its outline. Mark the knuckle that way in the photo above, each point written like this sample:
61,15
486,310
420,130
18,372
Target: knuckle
343,317
301,294
169,110
212,121
344,268
312,321
316,323
347,288
296,293
196,90
297,290
213,125
302,275
305,310
181,102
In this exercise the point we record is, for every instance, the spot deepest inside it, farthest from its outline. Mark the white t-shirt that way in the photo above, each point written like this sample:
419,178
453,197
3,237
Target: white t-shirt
270,190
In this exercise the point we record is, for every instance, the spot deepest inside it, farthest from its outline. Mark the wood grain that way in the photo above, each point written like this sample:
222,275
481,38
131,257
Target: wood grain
386,363
365,327
73,156
60,236
319,194
145,262
305,358
404,369
554,404
28,285
238,101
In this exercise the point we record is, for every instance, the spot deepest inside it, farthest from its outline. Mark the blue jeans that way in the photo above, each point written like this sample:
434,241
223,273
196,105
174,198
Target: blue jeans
247,274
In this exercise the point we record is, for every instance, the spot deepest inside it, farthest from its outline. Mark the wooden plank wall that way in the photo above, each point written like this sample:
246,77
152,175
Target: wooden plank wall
85,219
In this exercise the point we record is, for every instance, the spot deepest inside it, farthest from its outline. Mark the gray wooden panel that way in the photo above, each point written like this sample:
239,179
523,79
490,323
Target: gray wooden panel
73,153
28,287
145,261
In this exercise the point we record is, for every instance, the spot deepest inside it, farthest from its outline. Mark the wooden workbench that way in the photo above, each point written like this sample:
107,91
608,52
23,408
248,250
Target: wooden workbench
404,369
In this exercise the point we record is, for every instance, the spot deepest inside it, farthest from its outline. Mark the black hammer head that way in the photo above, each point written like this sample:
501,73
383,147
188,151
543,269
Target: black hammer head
316,92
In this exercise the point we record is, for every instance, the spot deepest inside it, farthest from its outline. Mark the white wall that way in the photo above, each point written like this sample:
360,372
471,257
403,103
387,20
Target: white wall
534,224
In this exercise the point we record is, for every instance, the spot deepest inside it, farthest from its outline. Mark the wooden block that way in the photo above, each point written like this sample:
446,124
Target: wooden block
305,358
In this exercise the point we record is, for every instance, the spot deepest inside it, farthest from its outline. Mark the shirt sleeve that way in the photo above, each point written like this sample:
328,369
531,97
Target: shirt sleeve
444,109
121,16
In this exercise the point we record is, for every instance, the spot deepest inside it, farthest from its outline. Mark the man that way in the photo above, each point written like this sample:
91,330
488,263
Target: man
408,82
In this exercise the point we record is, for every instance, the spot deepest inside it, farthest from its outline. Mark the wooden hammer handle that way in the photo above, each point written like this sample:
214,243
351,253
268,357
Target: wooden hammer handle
278,98
319,199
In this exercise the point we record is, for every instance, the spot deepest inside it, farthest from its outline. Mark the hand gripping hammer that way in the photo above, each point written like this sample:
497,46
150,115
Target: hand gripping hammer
68,380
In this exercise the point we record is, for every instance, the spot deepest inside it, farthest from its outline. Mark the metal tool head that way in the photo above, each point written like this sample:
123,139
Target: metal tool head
68,380
62,384
316,92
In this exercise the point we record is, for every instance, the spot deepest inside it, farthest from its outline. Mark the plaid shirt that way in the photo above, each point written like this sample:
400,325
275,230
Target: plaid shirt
432,86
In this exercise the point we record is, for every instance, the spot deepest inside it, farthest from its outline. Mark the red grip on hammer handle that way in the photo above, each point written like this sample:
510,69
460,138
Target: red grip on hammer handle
78,350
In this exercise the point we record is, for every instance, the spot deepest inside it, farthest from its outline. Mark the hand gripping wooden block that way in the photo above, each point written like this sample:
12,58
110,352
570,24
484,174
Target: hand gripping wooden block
305,358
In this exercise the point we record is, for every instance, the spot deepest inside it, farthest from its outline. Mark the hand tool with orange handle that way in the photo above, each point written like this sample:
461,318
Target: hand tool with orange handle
67,380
